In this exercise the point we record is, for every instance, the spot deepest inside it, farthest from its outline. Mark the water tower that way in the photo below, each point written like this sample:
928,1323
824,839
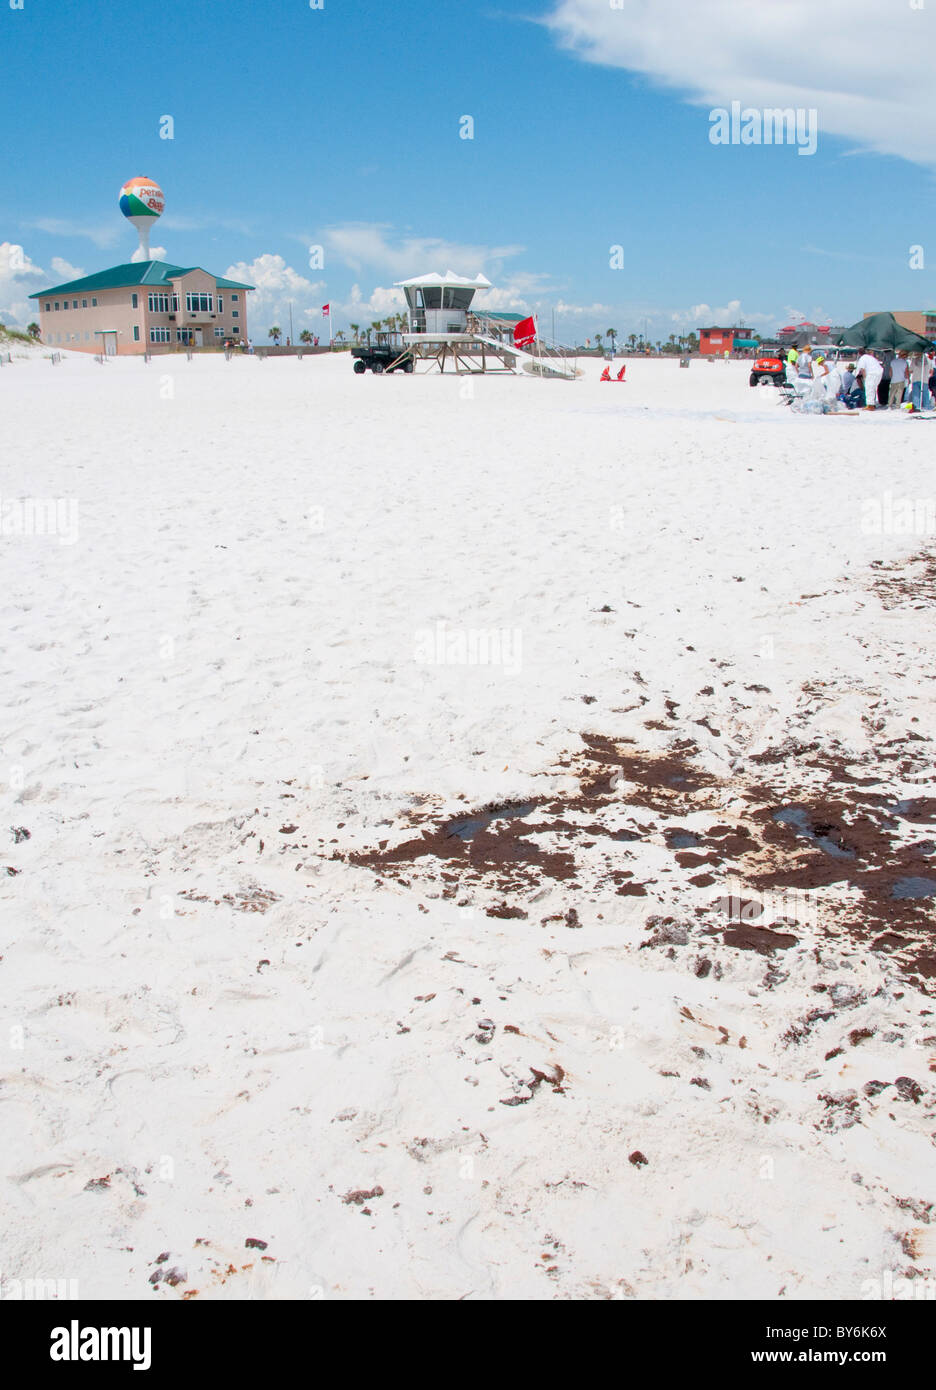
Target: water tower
142,202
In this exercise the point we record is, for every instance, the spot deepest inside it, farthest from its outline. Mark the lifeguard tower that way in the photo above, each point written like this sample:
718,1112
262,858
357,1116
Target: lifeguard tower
444,327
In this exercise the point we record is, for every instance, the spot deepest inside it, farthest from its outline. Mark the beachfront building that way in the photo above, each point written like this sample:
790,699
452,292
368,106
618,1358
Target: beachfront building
922,321
802,334
715,342
143,306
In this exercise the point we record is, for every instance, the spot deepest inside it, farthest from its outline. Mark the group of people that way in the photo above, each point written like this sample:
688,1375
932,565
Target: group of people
864,384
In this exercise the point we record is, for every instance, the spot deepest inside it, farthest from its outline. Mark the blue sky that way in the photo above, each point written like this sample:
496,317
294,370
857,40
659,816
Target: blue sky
340,127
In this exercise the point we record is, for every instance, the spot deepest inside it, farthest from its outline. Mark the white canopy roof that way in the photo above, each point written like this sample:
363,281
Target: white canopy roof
433,280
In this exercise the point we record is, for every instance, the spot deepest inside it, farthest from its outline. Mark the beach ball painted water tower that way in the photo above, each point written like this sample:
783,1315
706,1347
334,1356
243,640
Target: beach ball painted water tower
142,202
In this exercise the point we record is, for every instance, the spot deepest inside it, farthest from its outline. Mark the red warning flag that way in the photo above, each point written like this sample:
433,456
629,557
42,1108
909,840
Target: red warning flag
525,333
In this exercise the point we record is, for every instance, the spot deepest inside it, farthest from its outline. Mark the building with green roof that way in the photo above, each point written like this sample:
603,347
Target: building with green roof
144,306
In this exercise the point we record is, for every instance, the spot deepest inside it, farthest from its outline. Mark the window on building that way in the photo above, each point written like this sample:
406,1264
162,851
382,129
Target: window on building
197,302
219,332
84,304
175,303
159,303
235,313
235,298
220,305
93,303
159,335
136,333
74,304
56,304
48,307
134,301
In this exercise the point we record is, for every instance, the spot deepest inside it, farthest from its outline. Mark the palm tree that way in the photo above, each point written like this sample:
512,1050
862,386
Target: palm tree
598,341
356,330
632,340
305,336
612,334
33,330
275,333
339,336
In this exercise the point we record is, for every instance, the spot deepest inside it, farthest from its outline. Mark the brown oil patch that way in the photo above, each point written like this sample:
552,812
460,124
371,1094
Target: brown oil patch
852,835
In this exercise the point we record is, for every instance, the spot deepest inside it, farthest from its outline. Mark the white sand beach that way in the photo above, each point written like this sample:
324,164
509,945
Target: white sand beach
287,1013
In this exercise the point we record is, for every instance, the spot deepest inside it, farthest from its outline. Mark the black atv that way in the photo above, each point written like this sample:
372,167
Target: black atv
384,357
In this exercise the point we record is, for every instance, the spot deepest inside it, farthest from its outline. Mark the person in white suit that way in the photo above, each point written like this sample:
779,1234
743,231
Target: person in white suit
869,370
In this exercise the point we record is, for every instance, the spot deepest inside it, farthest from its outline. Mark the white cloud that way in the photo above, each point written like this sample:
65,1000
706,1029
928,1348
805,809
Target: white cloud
518,290
65,271
382,301
505,299
276,285
373,246
102,234
155,253
704,315
19,278
866,68
378,248
595,311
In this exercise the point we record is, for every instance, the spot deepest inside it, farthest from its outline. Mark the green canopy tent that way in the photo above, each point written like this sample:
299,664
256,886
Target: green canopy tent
882,333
